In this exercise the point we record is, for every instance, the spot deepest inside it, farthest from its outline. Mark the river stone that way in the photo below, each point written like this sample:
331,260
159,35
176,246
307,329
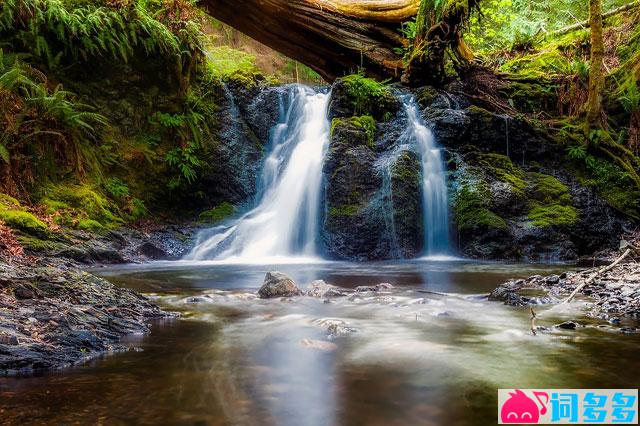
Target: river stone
321,289
568,325
277,284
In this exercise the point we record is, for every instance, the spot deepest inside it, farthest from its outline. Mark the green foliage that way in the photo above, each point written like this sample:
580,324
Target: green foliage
519,24
218,213
137,209
52,30
225,61
629,96
116,188
49,122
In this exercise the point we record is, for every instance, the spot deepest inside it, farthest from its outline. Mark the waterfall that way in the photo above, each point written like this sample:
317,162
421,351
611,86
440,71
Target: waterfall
434,184
284,221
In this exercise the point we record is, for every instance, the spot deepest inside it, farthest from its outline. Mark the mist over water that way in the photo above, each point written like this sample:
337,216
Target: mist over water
285,220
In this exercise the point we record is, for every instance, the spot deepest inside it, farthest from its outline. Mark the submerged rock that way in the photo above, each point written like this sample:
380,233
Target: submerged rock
277,284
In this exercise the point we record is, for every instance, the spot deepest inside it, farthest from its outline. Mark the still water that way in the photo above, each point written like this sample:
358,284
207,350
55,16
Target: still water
430,351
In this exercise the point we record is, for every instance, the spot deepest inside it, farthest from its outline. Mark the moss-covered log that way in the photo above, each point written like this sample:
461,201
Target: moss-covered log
337,37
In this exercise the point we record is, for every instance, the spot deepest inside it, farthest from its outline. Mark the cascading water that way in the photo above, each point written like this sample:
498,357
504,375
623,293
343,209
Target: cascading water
285,220
434,184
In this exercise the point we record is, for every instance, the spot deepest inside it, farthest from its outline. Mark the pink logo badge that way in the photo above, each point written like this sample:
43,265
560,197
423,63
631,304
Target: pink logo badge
519,408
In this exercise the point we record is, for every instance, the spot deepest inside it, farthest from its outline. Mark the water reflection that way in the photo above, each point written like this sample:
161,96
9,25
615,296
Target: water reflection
429,351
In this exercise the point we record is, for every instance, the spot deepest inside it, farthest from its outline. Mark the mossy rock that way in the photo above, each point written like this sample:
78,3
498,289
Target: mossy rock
502,168
426,96
345,210
547,189
357,95
218,213
553,215
86,203
365,122
471,210
90,225
23,221
38,245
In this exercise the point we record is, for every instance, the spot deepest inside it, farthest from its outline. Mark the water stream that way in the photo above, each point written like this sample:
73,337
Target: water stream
434,184
285,220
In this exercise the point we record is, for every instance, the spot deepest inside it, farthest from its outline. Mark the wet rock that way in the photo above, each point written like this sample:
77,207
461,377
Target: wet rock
277,284
568,325
373,288
318,344
553,279
151,251
24,292
321,289
72,316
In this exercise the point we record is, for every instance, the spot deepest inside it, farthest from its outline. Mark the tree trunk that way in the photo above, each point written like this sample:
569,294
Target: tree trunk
338,37
596,72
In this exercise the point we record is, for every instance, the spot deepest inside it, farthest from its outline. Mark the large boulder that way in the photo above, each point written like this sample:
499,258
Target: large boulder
502,209
277,284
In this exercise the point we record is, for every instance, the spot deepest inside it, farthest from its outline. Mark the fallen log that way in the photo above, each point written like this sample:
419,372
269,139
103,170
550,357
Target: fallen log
338,37
596,274
585,24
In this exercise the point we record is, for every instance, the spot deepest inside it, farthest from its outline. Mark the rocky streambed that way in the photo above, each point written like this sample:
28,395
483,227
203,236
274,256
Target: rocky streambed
53,316
613,295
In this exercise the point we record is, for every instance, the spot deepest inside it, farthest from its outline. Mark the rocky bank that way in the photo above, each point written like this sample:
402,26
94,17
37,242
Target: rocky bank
53,315
613,295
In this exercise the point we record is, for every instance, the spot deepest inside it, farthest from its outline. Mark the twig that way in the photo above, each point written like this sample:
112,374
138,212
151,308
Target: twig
533,321
595,275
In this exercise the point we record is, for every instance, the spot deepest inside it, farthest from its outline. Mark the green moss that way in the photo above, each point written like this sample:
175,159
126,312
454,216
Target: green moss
86,202
502,168
538,65
364,122
470,209
365,94
90,225
23,221
247,78
547,189
404,169
8,200
553,215
36,244
218,213
345,210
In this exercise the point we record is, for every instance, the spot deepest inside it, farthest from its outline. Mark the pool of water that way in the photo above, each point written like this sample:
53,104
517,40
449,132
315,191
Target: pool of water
431,350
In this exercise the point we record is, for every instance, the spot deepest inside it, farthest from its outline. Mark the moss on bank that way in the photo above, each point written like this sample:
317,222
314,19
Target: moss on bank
218,213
